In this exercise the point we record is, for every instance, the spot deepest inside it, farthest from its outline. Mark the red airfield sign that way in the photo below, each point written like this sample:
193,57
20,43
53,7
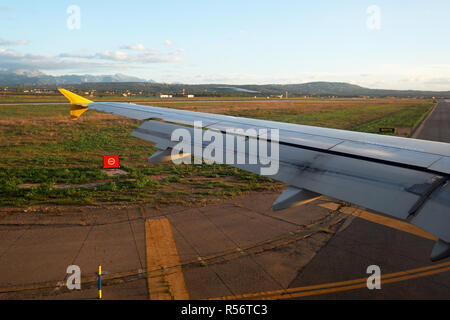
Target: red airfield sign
111,161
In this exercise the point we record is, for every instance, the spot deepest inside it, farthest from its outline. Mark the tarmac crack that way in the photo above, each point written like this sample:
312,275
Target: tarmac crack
240,250
134,238
14,242
79,251
198,254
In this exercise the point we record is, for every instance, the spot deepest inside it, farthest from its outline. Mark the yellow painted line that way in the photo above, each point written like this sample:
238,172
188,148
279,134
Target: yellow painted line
389,222
164,274
352,284
379,219
330,206
358,286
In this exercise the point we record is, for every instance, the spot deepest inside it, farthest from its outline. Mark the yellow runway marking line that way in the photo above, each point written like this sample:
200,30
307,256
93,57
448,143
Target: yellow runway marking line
164,274
343,285
330,206
389,222
358,286
376,218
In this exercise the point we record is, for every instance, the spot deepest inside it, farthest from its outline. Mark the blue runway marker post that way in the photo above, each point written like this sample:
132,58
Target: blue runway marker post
99,282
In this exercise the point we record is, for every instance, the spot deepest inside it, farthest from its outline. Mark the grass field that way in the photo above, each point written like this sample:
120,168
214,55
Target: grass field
352,114
38,144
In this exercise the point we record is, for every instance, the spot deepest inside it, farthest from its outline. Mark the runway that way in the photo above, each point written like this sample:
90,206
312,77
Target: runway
436,126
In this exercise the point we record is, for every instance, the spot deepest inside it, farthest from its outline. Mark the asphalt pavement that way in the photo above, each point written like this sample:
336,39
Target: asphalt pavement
348,254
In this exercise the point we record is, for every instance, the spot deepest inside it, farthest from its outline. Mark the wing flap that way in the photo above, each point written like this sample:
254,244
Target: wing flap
434,216
398,155
442,165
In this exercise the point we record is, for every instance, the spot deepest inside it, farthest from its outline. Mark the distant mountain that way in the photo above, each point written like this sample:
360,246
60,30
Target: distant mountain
39,78
118,83
329,88
323,89
311,88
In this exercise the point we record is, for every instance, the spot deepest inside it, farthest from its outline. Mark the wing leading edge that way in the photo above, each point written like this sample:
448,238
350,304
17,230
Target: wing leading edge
408,179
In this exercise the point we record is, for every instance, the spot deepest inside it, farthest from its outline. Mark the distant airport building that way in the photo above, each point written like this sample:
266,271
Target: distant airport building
165,96
190,96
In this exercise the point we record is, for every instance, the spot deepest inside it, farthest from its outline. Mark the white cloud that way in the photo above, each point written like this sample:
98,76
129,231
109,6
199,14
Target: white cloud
168,43
12,60
12,43
75,55
134,47
113,55
141,56
146,56
445,81
111,61
149,56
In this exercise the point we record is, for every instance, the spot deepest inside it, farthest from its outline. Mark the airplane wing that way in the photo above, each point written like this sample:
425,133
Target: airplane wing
408,179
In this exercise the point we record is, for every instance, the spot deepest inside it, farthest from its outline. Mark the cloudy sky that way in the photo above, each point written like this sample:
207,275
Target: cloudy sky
377,44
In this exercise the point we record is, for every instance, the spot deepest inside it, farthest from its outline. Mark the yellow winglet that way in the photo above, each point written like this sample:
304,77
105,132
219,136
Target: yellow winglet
78,104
